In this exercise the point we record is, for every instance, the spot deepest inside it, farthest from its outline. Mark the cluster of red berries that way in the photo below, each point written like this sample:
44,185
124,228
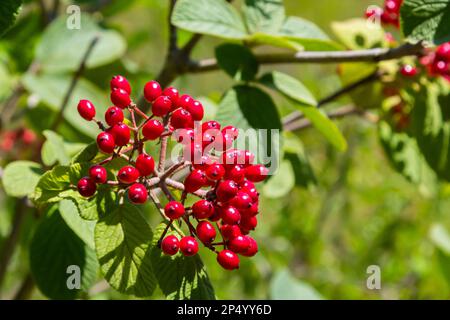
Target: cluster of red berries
389,14
10,138
223,177
437,62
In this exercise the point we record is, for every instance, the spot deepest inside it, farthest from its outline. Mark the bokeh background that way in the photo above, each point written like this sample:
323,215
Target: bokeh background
315,241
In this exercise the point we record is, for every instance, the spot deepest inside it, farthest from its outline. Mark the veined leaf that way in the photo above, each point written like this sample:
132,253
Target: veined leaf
20,178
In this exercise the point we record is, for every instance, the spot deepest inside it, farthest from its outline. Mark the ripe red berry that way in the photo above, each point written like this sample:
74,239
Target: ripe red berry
202,209
249,188
440,67
203,162
174,210
209,137
248,223
241,201
86,109
86,187
137,193
238,244
235,173
223,142
217,215
120,82
170,245
208,125
206,232
443,51
113,115
252,247
230,231
226,190
231,131
215,172
121,133
230,215
184,136
173,95
152,129
188,246
145,164
185,101
120,98
98,174
228,259
105,142
196,110
193,152
161,106
195,180
408,70
152,90
256,173
181,118
128,174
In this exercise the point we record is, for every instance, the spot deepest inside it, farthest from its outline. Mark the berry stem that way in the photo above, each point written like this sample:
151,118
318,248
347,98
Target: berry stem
164,233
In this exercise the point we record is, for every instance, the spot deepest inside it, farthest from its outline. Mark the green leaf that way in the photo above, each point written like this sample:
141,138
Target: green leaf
248,107
59,183
213,17
265,16
440,237
53,249
274,40
180,277
404,154
20,178
426,20
237,61
281,183
51,88
307,34
285,287
93,208
62,48
123,245
53,149
89,153
8,12
82,228
359,34
297,93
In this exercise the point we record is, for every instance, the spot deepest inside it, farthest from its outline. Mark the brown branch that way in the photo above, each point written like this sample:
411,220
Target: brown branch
73,83
26,288
369,55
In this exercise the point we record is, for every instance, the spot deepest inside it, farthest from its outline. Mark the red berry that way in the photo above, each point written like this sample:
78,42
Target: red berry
208,125
86,109
234,156
185,101
256,173
98,174
230,215
137,193
443,51
252,247
215,172
188,246
170,245
217,215
193,152
238,244
231,131
86,187
248,223
206,232
249,188
120,98
440,67
173,95
241,201
202,209
196,110
230,231
253,210
119,82
235,173
105,142
128,174
203,162
373,12
181,119
161,106
408,70
152,129
209,137
195,180
392,6
121,133
223,142
113,115
226,190
174,210
145,164
228,259
152,90
184,136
